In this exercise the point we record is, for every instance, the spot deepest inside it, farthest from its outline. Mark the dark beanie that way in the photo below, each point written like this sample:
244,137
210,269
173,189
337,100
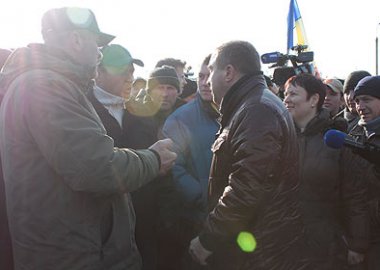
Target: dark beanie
353,79
163,75
370,85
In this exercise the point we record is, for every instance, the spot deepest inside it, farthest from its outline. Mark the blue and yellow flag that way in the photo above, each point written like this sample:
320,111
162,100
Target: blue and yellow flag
295,24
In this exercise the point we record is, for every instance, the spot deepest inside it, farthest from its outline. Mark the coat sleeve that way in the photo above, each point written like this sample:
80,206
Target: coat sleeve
355,201
188,186
71,138
255,142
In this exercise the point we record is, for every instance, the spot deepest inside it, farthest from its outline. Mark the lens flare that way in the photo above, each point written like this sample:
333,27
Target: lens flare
246,241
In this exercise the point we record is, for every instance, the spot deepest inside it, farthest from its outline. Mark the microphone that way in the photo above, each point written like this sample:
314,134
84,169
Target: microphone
369,151
337,139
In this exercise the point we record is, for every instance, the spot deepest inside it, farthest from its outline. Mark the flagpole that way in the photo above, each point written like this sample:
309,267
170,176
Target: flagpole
377,49
290,26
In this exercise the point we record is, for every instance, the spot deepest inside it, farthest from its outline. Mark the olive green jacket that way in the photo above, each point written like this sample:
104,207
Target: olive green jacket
67,187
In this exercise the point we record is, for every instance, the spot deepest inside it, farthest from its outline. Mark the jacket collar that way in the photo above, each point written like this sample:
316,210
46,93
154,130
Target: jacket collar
320,122
237,93
108,99
372,127
209,107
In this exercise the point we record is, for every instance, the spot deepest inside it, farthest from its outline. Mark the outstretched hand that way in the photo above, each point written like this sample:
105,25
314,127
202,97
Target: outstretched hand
167,156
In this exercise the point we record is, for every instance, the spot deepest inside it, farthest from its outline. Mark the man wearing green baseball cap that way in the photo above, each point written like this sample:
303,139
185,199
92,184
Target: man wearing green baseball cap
111,100
113,88
116,71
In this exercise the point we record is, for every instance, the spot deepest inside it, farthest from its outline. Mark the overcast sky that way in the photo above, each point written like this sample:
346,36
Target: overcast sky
341,33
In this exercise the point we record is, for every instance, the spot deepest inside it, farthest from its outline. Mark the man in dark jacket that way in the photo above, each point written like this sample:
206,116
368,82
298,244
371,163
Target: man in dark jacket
367,99
65,181
137,125
156,203
253,181
110,98
128,129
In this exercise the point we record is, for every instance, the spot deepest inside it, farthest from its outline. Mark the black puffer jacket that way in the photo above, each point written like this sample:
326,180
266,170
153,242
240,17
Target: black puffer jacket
333,196
253,183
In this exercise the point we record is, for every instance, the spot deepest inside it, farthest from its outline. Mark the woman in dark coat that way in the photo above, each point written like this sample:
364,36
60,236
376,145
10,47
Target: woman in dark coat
332,189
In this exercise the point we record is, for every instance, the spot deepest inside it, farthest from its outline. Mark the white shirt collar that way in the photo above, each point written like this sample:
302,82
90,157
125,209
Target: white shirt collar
108,99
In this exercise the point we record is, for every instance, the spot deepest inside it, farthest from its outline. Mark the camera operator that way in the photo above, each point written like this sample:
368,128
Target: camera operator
367,131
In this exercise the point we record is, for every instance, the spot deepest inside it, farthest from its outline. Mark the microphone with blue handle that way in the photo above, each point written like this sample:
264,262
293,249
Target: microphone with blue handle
337,139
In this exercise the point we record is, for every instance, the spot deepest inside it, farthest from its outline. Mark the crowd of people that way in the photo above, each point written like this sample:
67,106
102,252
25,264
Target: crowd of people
103,170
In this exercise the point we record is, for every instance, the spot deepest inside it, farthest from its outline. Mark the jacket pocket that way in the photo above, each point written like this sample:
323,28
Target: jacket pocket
220,158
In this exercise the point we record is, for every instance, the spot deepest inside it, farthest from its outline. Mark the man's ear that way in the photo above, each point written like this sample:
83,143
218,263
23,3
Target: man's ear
230,73
76,40
314,99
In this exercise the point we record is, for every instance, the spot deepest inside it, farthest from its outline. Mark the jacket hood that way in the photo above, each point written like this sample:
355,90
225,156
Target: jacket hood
40,56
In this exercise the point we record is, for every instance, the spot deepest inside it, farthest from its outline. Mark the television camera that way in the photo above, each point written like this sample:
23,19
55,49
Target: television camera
301,63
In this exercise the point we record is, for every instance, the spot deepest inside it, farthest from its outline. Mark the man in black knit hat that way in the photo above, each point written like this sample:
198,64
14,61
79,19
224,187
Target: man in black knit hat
163,87
179,67
162,96
155,204
350,113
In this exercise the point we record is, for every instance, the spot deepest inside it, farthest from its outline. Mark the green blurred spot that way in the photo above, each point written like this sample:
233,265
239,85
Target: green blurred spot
246,241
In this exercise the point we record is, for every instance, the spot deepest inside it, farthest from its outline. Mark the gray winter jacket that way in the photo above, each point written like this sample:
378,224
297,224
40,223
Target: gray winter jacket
66,185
